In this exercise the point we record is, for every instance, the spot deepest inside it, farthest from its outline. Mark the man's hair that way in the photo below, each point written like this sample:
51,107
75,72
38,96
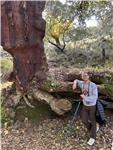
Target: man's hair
87,72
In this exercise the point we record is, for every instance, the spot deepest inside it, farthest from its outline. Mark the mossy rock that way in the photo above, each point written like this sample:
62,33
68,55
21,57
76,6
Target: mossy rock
106,89
48,85
109,89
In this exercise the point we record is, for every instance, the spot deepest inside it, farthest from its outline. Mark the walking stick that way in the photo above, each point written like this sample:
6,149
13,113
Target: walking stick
67,131
75,114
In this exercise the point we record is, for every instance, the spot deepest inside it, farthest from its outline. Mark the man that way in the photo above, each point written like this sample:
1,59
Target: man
89,97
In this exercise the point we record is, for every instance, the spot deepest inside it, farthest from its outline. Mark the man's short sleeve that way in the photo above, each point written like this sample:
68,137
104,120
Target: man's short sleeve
79,83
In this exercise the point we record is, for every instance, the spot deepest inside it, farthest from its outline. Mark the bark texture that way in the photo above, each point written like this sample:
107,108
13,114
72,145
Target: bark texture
22,33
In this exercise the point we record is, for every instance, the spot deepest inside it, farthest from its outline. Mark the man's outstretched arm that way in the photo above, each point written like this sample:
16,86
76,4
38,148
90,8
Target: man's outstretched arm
77,83
74,84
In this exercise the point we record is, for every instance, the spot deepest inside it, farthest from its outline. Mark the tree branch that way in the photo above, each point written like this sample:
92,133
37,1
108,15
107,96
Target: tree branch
61,49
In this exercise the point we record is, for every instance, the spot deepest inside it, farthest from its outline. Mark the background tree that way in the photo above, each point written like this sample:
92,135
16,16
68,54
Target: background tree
77,14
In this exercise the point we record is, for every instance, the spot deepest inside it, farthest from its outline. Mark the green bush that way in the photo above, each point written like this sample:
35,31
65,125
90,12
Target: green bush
6,64
4,116
6,68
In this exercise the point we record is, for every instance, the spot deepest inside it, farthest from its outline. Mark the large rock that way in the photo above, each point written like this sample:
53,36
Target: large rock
22,33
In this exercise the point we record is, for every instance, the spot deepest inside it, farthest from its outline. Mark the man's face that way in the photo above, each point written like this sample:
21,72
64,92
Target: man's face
85,76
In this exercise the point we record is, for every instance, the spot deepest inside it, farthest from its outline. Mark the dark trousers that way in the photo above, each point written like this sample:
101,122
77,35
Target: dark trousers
88,118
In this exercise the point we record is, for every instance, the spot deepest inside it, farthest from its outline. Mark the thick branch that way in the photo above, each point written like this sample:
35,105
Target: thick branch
61,48
60,106
104,89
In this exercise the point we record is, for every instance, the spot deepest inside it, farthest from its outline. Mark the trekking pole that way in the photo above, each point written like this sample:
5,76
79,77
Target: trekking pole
68,129
75,114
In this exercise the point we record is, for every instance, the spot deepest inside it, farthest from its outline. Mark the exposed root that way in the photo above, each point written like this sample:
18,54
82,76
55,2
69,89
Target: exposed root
27,102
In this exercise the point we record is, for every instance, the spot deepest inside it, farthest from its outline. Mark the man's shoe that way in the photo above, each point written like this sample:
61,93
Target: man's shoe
97,127
91,141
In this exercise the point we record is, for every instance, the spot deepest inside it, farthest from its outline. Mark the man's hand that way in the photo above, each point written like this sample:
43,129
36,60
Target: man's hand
82,96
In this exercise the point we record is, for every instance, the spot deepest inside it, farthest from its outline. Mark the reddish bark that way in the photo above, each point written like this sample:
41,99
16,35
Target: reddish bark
22,33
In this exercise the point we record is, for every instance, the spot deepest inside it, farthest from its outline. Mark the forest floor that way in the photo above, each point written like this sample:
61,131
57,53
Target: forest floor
48,135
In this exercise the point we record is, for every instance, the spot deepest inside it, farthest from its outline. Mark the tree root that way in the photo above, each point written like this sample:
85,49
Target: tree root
27,102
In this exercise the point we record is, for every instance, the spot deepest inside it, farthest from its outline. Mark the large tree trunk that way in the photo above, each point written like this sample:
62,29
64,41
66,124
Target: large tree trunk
22,33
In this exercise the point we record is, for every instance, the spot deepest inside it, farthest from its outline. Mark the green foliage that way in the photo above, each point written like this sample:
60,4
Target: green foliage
83,53
5,119
58,28
6,68
73,16
6,64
